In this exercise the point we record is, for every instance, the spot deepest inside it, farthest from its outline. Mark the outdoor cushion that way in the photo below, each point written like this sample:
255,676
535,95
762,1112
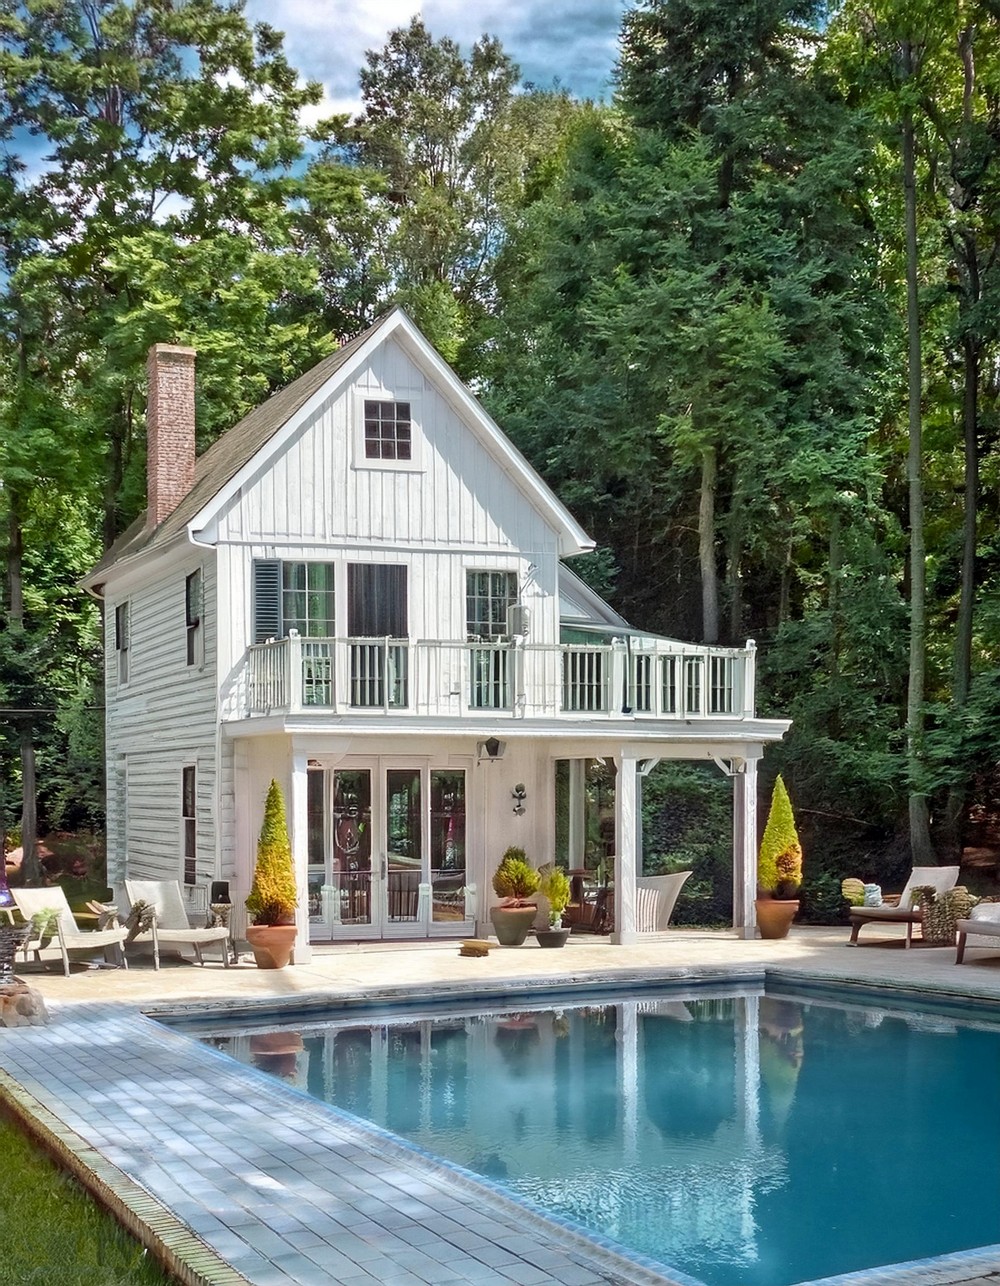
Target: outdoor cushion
986,911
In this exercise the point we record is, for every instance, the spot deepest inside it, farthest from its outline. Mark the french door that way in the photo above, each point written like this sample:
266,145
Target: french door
387,850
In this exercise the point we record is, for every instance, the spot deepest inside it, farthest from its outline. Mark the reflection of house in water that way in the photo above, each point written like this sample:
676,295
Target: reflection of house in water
611,1114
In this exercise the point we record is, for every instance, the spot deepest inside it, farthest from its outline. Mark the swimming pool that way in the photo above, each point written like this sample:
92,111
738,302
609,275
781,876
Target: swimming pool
745,1139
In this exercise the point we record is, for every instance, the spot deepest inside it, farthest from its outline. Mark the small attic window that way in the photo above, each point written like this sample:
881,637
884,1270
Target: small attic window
388,430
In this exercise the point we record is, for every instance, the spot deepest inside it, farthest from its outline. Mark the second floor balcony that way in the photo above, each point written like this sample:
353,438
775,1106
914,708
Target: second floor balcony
638,678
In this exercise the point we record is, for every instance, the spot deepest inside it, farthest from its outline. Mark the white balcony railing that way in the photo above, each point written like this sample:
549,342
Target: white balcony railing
654,679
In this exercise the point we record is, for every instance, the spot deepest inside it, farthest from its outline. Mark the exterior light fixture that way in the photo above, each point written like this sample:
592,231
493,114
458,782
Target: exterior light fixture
491,749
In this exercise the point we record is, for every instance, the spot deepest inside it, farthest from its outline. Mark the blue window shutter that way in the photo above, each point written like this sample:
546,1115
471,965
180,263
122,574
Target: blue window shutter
266,599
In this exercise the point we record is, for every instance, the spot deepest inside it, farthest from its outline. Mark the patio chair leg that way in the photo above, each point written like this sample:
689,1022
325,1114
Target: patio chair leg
855,930
225,952
960,945
909,933
197,954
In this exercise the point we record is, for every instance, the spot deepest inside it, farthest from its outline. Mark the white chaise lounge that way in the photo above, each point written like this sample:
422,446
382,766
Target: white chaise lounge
983,922
68,935
939,878
171,926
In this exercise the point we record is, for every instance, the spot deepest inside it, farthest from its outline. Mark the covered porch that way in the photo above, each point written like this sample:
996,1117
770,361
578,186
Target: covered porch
396,836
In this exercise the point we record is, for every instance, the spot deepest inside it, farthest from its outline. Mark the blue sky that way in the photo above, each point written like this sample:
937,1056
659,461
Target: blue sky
572,42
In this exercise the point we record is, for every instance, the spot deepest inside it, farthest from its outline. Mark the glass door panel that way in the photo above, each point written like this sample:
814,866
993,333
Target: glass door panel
351,876
447,845
404,846
316,841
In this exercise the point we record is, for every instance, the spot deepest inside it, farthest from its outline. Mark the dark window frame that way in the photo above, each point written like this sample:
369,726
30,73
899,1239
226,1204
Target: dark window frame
193,610
189,822
388,430
123,632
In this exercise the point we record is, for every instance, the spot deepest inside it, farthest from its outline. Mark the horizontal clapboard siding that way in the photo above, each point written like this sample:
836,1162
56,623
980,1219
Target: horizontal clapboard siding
161,720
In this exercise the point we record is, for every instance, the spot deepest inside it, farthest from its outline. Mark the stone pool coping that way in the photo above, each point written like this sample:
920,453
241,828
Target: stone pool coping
153,1118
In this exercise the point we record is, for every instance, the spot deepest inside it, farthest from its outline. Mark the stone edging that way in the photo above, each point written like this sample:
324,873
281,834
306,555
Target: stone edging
179,1249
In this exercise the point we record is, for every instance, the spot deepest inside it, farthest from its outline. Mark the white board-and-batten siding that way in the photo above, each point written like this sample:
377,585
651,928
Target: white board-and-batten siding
321,490
163,719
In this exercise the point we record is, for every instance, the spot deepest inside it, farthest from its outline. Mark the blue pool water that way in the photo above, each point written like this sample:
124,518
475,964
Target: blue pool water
747,1140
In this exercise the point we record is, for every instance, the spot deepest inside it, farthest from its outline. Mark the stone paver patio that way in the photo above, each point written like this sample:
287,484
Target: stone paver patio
234,1177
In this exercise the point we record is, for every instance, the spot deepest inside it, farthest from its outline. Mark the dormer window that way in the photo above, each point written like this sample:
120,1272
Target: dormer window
388,430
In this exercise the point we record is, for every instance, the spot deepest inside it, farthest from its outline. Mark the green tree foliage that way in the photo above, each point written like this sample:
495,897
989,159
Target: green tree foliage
272,898
779,865
411,200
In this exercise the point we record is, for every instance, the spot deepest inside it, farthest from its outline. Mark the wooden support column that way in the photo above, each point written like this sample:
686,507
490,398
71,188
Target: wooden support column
745,849
298,824
628,837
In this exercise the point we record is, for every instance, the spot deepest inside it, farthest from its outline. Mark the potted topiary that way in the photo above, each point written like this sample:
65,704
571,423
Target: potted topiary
779,867
514,881
273,898
554,885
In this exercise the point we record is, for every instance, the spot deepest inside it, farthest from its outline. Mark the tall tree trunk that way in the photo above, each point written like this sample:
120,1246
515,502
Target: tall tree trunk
734,564
706,548
833,603
920,839
31,867
962,661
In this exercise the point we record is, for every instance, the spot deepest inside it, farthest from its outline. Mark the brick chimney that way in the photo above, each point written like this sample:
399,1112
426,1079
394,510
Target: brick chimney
169,430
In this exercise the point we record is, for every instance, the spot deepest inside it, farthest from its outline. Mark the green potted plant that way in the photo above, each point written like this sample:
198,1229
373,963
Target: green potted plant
554,885
779,867
514,881
273,897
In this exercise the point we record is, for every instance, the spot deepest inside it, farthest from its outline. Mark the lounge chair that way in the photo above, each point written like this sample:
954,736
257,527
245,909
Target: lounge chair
655,898
170,926
939,878
68,935
983,922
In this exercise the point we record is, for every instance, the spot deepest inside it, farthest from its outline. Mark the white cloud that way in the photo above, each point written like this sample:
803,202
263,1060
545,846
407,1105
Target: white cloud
572,42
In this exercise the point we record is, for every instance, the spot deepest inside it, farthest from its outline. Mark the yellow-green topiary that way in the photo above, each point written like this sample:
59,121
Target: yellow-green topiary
779,866
555,886
515,879
273,898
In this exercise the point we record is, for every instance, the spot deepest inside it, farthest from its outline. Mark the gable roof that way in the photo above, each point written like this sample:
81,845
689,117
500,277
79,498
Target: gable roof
220,470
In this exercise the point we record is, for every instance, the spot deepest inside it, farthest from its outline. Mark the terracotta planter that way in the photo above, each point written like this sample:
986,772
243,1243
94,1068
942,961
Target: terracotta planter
552,937
775,916
271,944
511,923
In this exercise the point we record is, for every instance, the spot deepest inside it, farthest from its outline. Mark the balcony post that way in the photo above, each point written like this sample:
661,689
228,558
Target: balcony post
293,675
749,679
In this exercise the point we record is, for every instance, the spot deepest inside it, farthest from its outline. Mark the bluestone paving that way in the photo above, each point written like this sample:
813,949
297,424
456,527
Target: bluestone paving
283,1190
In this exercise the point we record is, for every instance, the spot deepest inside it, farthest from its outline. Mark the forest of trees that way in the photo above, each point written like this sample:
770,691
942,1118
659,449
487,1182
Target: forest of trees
744,319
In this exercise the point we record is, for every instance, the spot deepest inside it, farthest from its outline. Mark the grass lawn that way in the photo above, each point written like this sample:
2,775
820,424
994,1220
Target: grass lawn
52,1231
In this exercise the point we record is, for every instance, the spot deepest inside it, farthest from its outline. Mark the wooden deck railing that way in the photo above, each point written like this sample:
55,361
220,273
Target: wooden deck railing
624,679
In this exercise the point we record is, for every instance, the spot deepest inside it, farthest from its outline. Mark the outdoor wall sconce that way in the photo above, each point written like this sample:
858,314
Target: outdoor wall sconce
491,749
519,795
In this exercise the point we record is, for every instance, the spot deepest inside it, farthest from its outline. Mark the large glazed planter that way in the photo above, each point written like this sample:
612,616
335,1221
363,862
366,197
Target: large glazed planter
511,923
271,944
775,916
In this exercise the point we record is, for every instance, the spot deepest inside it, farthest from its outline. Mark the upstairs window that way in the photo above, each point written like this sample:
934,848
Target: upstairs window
192,617
189,825
122,640
292,596
388,431
488,595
